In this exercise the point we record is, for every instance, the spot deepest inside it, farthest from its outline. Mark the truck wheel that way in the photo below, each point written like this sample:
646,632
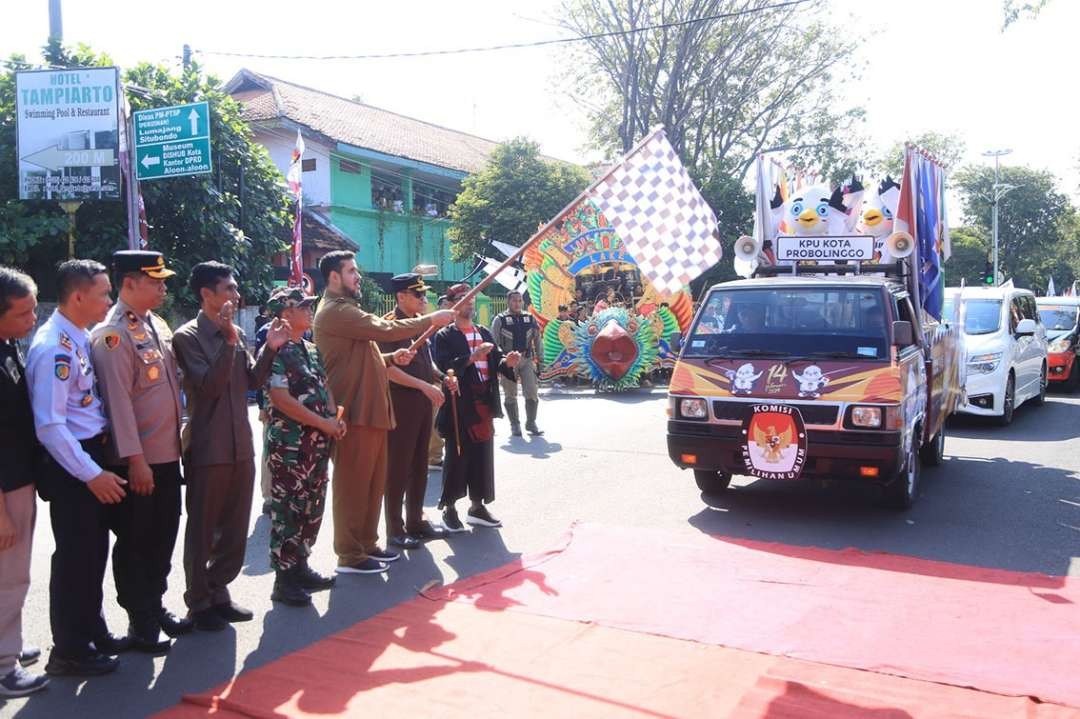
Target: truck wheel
902,491
933,452
1040,399
710,481
1009,404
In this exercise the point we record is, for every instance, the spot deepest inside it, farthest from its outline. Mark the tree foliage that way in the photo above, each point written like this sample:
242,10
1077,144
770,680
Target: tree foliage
948,149
1037,224
724,88
1015,10
515,192
216,216
970,253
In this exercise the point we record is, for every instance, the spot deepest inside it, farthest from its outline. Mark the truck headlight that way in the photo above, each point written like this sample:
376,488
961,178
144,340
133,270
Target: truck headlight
693,409
985,363
1060,345
866,417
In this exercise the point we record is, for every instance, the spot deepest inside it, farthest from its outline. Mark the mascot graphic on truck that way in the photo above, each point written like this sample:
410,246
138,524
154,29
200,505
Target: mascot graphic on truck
774,444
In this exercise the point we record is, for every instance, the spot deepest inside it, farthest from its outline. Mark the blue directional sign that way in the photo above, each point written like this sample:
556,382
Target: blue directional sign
172,141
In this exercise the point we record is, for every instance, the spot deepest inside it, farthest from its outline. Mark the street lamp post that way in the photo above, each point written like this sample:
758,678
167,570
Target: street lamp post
998,192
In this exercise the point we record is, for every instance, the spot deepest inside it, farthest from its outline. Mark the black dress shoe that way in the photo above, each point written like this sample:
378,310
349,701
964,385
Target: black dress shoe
173,625
112,644
29,655
232,612
208,620
405,541
427,531
145,635
89,666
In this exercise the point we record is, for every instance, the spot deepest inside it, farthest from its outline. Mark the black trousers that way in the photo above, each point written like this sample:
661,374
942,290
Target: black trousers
407,458
145,529
80,526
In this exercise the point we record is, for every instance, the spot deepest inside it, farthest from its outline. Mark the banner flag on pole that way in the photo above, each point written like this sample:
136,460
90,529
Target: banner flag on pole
929,235
661,217
652,204
1050,288
920,211
505,247
905,215
296,265
511,278
138,229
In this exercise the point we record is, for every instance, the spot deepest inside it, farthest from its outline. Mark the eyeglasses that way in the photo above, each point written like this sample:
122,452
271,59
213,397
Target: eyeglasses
418,294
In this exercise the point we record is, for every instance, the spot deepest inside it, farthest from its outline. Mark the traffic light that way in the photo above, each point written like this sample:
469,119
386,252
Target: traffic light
988,275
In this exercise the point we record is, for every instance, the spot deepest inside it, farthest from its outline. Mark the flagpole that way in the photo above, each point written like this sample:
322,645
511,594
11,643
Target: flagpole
540,232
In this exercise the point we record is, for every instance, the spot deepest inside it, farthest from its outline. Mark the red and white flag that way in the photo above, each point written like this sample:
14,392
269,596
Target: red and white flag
296,264
661,217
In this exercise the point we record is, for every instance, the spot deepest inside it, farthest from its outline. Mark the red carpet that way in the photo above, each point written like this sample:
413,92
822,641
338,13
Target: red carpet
1000,631
947,626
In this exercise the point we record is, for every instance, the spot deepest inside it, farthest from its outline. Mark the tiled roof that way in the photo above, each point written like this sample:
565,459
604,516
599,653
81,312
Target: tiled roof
354,123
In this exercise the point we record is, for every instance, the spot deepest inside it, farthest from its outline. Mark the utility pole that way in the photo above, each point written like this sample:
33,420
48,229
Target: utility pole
56,21
997,192
187,57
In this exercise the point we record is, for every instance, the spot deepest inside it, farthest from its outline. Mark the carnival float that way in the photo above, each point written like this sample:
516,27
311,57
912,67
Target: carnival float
630,327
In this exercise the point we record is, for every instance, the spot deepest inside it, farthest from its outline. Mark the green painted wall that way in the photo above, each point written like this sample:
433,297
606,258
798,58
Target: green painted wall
389,241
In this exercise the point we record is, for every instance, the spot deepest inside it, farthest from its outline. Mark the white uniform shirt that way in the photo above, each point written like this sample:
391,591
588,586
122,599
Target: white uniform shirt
64,395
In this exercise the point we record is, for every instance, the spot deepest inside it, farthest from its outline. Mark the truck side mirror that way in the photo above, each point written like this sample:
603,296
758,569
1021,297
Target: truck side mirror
1026,328
903,334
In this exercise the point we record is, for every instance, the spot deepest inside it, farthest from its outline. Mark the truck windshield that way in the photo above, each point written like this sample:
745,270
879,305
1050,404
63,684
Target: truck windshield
1058,317
791,322
983,316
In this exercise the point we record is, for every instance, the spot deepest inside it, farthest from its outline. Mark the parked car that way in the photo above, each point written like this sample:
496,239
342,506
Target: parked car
1060,316
1006,348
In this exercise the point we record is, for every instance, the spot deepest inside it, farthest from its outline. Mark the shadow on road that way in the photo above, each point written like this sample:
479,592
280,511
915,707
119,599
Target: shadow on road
984,512
634,396
799,700
326,678
1057,420
536,447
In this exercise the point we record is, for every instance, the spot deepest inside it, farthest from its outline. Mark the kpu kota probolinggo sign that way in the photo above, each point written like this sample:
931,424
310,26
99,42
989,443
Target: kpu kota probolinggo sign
68,136
829,248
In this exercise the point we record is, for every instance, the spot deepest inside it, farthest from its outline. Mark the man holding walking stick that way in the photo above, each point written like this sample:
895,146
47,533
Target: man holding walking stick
469,467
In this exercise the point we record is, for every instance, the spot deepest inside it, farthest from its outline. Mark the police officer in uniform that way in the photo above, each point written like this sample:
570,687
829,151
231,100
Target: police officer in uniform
70,421
517,331
415,392
136,369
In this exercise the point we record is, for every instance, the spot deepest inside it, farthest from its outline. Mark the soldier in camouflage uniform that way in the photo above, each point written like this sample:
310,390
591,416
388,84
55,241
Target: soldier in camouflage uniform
303,423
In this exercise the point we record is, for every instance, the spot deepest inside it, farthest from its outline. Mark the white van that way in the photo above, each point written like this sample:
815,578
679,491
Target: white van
1006,348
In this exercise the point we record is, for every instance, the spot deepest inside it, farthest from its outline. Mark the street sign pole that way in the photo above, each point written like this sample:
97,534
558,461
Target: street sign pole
172,141
71,207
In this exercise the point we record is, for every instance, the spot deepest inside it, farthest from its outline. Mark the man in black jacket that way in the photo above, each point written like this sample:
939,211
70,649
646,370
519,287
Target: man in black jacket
466,420
20,454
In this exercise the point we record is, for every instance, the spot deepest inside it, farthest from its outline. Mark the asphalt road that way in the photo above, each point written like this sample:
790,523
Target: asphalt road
1006,498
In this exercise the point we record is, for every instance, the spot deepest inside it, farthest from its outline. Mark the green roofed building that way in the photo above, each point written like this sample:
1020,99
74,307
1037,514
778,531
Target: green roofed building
374,181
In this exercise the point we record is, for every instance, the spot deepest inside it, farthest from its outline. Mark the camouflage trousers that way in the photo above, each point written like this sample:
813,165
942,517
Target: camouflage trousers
297,499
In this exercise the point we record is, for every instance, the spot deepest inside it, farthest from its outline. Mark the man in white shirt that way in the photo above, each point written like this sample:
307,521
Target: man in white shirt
70,422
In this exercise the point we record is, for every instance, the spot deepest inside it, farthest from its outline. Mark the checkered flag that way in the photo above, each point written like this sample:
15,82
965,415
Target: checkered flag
662,219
